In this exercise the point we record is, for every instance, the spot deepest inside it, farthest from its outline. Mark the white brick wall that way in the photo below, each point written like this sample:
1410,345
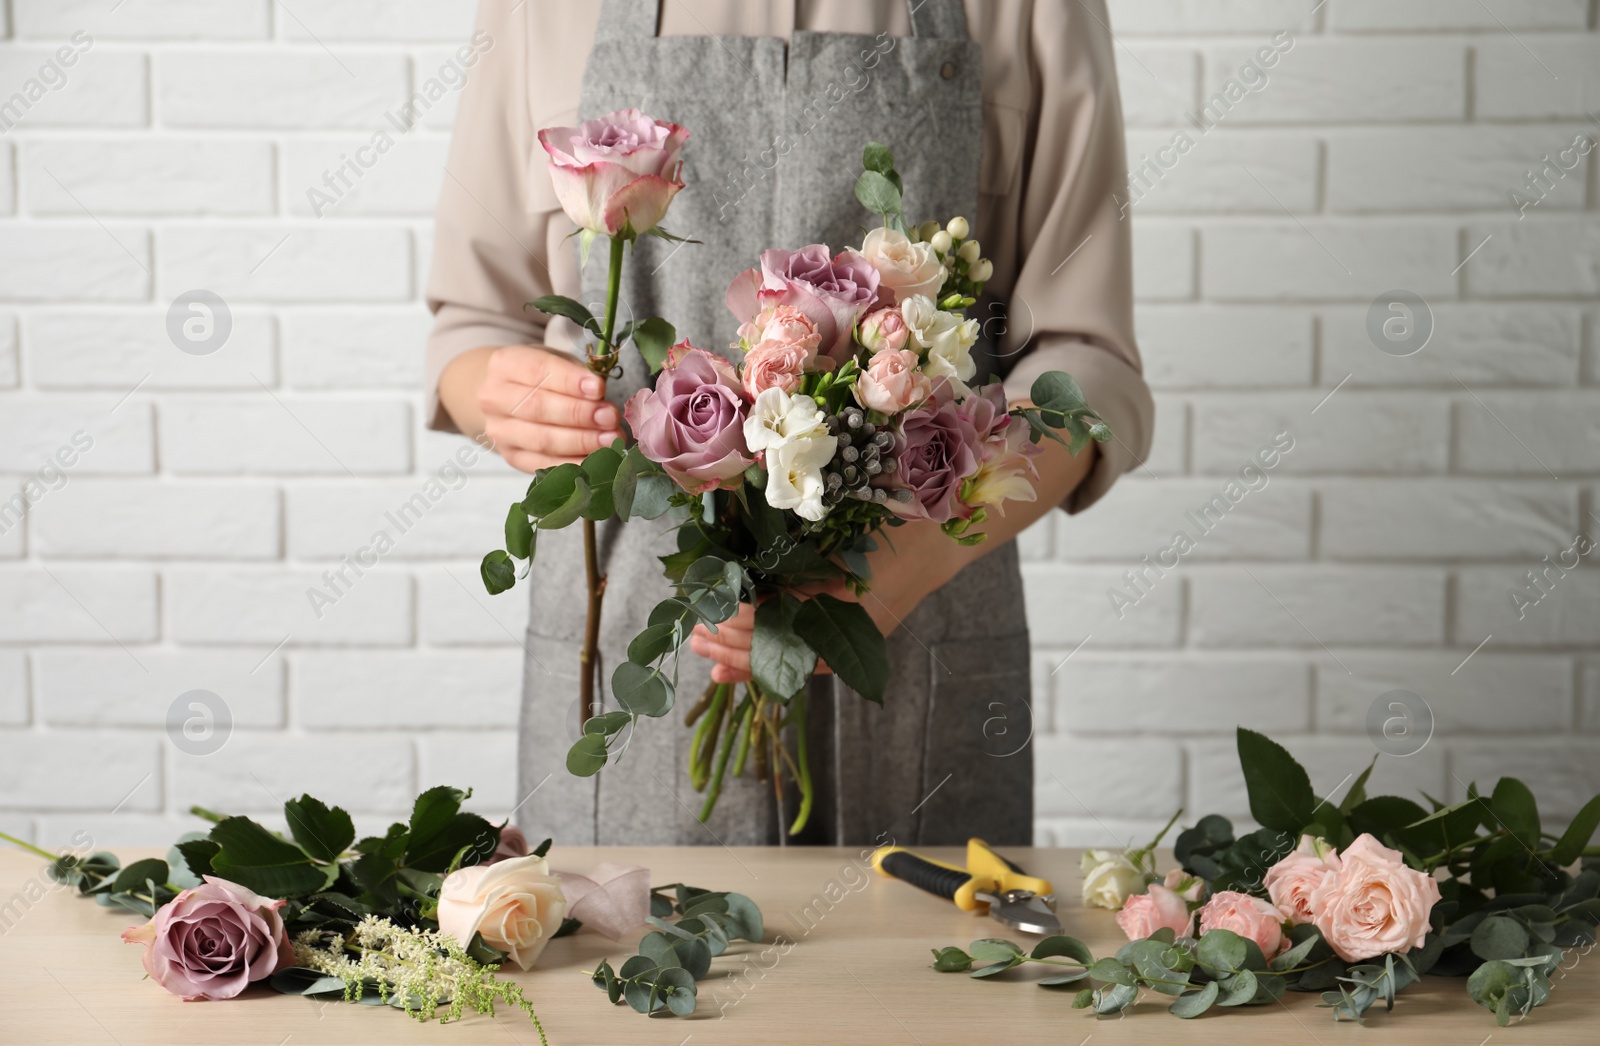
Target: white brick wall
175,551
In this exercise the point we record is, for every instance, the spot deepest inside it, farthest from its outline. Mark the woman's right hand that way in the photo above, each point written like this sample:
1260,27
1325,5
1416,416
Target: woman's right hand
538,406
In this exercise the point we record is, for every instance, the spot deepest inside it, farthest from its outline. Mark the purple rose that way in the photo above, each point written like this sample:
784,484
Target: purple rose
832,292
692,422
937,450
213,940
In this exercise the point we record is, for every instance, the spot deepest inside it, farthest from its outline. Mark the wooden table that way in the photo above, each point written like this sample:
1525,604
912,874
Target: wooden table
846,962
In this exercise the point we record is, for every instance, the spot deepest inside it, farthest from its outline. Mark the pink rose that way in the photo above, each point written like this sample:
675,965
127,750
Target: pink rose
883,329
832,292
1145,913
774,366
1249,917
213,940
891,383
692,422
618,174
1374,903
1292,880
936,451
780,346
1189,887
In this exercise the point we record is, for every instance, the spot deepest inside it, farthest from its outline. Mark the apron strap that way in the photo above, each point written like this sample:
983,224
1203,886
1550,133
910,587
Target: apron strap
627,20
944,19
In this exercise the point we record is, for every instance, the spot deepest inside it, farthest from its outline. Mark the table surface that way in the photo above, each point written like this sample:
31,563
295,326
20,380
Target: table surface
846,960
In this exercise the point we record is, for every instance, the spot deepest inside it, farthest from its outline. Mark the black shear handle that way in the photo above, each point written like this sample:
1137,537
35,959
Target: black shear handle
937,879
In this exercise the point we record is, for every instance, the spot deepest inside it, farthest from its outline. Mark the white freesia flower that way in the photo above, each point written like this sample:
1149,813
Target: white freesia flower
945,337
794,473
777,417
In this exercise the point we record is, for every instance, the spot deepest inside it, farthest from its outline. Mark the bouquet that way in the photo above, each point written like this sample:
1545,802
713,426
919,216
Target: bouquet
852,410
1356,899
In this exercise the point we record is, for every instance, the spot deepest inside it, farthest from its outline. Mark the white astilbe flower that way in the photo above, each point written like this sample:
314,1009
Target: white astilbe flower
420,969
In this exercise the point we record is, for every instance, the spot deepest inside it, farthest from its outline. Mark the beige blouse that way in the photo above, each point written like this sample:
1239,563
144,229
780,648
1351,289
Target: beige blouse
1052,157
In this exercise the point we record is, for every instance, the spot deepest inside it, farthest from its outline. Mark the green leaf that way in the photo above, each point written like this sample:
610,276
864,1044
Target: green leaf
1357,793
432,812
845,636
877,157
551,488
653,338
951,960
680,991
1499,937
601,468
991,949
877,193
1514,807
258,860
779,659
569,511
1064,946
1059,392
1291,958
1221,950
197,854
322,832
519,532
641,690
560,305
624,482
747,921
1112,970
652,494
587,756
655,641
1194,1004
497,572
1279,788
1063,980
134,876
1115,999
1578,833
300,980
1239,988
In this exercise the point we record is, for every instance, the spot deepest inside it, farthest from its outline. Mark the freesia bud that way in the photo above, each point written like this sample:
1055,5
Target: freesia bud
958,228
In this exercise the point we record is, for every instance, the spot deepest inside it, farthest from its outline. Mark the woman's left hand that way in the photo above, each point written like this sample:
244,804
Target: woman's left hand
920,559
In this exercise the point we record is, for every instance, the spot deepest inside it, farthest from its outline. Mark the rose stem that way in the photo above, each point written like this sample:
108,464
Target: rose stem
29,846
797,720
700,706
601,363
704,746
722,760
746,728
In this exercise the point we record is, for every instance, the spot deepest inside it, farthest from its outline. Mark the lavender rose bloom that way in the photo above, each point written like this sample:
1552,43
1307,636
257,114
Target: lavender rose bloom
213,940
617,174
938,449
832,292
692,422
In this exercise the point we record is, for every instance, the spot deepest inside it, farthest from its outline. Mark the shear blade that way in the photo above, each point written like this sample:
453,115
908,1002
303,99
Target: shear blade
1029,914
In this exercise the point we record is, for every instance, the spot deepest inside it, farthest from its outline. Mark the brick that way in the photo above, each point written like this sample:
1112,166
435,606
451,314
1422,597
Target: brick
289,89
103,688
40,437
1349,16
237,606
1361,432
1184,347
60,604
8,202
351,177
1472,701
1163,261
288,263
1157,84
1095,833
1034,544
439,75
108,769
1538,77
1087,778
117,350
1316,606
148,20
1541,258
117,518
454,610
1444,520
427,20
1175,695
14,708
1529,433
1327,260
1272,522
98,831
13,516
1329,81
1218,783
457,516
155,177
1563,774
1502,602
483,761
100,88
1169,446
348,348
437,447
8,351
1193,171
76,262
1202,17
1072,605
256,772
425,688
1447,168
285,436
1482,345
1589,698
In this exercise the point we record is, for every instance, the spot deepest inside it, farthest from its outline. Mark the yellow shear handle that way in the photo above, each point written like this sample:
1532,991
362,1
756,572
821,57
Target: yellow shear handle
936,877
984,864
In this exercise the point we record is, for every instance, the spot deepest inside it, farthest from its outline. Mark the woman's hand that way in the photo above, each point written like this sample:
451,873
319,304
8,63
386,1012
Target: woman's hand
538,406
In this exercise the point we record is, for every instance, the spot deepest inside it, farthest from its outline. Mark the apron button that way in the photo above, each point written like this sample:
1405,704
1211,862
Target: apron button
948,70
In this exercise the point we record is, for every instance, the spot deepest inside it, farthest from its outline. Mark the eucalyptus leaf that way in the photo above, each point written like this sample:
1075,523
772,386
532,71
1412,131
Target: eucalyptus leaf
641,690
497,572
1193,1004
587,756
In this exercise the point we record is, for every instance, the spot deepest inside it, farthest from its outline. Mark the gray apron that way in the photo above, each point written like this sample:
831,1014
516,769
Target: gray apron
777,127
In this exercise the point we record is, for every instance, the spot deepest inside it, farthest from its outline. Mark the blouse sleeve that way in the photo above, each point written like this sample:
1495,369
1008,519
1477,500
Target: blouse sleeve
1072,300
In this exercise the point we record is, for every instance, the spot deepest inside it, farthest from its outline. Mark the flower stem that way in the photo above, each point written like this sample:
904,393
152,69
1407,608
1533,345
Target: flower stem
722,759
208,815
1162,834
797,719
29,846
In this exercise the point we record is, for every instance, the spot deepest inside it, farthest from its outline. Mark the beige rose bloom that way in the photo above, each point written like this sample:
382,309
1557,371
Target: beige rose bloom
906,268
517,905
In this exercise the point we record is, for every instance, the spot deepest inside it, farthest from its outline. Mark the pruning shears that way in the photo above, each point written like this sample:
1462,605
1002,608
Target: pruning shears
989,883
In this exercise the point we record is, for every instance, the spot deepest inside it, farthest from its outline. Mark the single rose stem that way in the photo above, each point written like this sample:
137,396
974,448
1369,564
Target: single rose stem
29,846
601,363
797,720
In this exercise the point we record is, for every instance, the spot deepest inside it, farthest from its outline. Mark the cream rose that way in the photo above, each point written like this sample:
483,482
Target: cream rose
1108,879
1374,904
1249,917
517,905
904,267
1292,880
